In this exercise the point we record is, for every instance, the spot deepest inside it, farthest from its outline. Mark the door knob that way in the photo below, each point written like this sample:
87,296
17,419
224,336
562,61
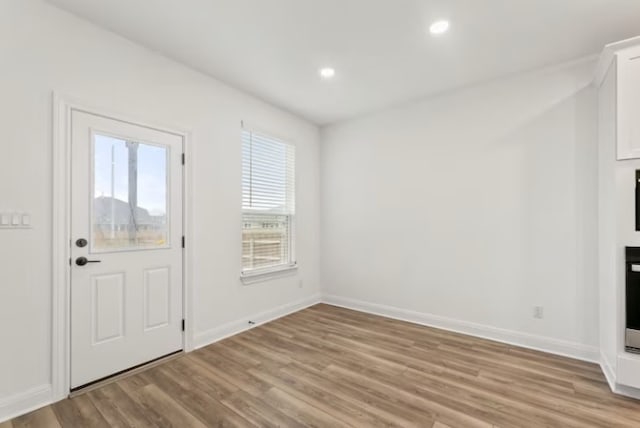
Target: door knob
81,261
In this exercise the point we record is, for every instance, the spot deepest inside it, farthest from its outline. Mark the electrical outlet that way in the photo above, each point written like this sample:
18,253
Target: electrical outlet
300,284
538,312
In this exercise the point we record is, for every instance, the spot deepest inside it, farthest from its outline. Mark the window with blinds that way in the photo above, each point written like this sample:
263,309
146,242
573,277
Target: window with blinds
268,204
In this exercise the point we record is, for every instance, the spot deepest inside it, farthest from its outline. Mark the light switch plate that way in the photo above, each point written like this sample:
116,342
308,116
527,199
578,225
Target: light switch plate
15,220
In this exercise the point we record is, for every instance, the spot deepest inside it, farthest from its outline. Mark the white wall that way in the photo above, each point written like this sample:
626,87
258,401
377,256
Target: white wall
469,209
43,49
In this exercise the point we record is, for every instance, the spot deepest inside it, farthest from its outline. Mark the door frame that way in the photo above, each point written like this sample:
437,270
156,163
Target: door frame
63,107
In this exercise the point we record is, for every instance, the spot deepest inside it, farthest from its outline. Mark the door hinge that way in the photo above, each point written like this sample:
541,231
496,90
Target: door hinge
183,159
183,242
182,325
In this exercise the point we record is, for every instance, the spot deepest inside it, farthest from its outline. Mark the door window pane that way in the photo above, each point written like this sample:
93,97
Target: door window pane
129,195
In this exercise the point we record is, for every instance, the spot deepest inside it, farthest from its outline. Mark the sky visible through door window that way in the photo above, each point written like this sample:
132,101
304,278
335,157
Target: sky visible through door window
152,173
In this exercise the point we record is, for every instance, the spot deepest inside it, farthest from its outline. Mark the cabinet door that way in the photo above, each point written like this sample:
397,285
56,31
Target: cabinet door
629,104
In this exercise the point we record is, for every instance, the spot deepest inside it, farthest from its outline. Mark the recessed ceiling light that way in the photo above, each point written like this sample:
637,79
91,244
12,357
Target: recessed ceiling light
439,27
327,72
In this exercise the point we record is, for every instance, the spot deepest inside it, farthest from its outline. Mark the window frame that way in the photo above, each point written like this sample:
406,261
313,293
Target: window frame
290,266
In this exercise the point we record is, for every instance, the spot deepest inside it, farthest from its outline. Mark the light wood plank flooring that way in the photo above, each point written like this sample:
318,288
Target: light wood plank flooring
331,367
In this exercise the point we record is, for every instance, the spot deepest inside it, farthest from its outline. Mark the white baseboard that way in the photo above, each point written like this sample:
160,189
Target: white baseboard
234,327
525,340
609,374
612,379
627,391
25,402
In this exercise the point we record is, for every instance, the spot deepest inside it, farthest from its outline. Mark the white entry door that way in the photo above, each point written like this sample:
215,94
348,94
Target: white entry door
126,246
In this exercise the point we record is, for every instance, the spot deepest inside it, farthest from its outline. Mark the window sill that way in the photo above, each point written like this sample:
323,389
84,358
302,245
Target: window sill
268,274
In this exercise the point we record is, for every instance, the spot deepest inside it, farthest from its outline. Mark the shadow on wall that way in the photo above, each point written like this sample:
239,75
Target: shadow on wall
557,159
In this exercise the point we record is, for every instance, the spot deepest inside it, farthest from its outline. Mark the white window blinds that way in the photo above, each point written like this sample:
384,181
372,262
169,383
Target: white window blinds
268,174
268,203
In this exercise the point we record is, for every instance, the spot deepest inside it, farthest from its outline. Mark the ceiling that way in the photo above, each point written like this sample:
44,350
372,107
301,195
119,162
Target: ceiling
381,49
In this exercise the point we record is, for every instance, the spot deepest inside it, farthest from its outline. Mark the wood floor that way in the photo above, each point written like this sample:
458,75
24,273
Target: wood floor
331,367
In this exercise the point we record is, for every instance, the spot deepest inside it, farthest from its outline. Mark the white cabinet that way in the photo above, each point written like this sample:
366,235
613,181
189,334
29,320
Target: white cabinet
628,92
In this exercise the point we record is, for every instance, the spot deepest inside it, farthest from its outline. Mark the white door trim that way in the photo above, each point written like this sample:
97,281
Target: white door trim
61,209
